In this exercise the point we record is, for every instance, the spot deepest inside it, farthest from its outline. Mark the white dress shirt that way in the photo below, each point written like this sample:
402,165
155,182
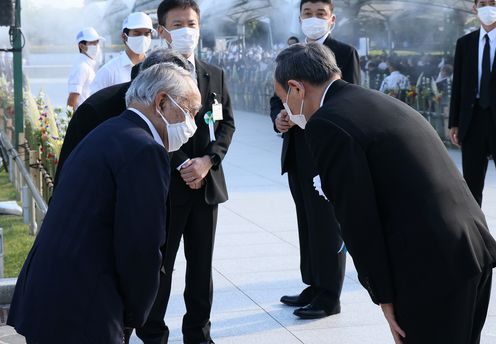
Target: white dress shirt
81,77
116,71
154,131
482,44
192,63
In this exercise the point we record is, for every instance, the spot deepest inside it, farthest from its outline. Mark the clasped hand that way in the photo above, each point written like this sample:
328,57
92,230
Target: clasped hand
194,172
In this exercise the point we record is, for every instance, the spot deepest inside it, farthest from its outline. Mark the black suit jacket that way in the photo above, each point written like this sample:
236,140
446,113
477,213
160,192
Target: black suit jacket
104,104
466,83
110,101
349,63
212,86
94,266
403,206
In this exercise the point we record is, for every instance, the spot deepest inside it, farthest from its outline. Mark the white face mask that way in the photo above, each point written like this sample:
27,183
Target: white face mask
93,51
315,28
487,15
178,133
184,40
300,119
139,44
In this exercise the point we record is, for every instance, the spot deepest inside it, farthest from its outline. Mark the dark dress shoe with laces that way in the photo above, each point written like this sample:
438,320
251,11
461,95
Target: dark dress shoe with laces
301,300
315,312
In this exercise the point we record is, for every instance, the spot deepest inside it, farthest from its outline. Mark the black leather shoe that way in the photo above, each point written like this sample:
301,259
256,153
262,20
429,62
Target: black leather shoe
314,312
301,300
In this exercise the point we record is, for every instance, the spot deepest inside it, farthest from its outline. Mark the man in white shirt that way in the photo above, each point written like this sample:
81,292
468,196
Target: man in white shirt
137,36
395,84
83,71
472,119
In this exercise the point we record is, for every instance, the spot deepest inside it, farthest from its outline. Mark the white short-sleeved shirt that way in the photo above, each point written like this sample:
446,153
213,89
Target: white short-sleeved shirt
81,77
116,71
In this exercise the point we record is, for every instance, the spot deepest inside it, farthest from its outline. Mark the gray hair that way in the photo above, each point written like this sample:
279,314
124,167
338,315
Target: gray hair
163,77
311,62
162,55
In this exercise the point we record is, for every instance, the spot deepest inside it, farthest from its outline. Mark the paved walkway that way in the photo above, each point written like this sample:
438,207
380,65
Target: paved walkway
257,259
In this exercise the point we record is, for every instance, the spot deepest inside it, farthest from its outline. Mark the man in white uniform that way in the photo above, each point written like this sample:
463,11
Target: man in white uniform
137,36
83,71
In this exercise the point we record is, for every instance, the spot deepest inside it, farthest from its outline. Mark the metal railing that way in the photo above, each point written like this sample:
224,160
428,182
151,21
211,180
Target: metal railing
33,205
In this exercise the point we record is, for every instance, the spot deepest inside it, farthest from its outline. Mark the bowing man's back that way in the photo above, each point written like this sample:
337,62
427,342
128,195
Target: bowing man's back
95,263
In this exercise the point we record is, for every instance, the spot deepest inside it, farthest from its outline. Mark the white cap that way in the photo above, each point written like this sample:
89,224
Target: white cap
137,20
88,34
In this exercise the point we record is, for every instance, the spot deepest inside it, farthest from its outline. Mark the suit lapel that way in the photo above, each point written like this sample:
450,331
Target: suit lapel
203,78
474,63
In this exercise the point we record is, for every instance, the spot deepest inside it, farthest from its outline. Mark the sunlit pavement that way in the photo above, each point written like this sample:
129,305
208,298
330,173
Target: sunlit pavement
256,259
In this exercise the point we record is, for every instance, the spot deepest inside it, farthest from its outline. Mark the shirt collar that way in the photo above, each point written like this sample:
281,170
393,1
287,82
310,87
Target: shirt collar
86,59
492,35
154,131
321,40
191,59
125,60
325,92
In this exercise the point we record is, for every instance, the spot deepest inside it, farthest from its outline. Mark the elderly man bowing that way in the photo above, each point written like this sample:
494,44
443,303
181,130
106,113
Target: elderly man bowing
418,238
94,267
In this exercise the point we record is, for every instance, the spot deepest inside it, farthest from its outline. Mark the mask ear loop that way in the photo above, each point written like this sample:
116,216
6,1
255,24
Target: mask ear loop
333,26
302,103
166,41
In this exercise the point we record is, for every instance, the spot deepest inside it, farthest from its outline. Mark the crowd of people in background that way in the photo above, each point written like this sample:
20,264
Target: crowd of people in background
423,81
249,73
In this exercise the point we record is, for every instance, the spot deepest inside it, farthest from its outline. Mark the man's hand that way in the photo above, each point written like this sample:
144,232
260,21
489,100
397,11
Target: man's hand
195,170
196,185
283,123
398,333
454,136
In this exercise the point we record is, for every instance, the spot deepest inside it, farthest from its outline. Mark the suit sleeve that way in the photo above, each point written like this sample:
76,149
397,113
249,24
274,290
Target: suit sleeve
351,71
454,111
275,107
225,129
142,186
347,182
84,120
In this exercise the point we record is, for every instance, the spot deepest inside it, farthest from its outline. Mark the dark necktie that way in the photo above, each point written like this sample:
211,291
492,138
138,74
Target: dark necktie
484,93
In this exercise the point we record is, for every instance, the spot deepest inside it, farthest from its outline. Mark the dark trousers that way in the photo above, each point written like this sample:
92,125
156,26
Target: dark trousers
322,267
478,144
442,311
196,222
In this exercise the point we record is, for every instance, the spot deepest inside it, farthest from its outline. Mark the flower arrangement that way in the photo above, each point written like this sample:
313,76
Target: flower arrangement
6,96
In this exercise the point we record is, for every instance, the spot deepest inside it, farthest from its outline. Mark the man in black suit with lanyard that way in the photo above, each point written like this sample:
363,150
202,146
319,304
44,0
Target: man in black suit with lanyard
473,100
322,254
197,183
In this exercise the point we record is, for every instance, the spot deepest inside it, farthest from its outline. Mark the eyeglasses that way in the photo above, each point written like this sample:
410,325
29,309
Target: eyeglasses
486,3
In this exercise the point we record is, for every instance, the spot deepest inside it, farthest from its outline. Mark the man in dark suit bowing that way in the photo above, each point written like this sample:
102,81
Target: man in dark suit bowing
107,103
95,265
472,118
197,183
418,238
322,257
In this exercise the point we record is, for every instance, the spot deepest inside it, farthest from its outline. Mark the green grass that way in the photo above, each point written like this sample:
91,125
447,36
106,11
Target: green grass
16,238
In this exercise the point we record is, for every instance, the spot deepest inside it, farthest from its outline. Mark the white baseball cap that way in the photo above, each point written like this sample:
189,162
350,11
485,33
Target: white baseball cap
88,34
138,20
